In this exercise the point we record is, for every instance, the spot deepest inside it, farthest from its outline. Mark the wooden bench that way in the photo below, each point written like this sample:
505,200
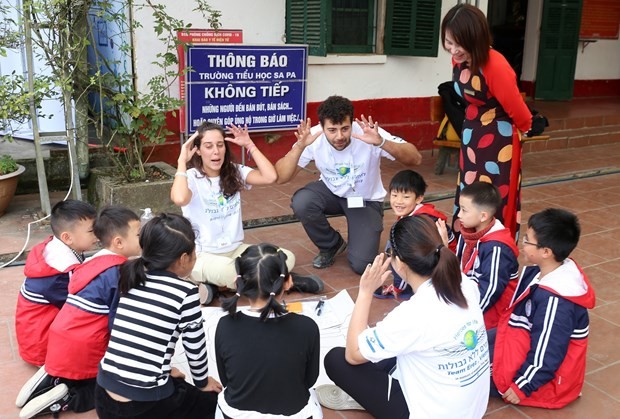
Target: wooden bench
449,150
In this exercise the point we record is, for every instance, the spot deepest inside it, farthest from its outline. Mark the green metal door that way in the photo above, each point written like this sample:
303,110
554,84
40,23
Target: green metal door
557,54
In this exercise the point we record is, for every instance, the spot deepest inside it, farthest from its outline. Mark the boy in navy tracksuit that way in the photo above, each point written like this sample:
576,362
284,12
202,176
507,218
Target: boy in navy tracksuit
47,271
486,249
541,340
79,335
407,189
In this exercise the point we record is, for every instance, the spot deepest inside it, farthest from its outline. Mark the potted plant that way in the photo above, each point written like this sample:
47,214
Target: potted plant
9,175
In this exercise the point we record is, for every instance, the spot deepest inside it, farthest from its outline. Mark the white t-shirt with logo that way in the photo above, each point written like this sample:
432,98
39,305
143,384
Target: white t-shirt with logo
216,219
441,350
354,171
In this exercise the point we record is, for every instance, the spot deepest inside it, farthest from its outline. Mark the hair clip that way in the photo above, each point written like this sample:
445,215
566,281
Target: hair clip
439,248
272,293
282,275
238,295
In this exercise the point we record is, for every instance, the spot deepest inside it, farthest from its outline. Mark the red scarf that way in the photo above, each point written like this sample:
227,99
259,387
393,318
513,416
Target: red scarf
471,238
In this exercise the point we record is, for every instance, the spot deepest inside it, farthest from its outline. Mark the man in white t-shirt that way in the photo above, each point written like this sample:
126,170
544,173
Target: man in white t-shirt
347,153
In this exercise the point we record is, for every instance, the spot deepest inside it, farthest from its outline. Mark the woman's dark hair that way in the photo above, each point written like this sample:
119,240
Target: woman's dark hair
469,29
417,243
163,240
408,181
230,178
261,273
113,221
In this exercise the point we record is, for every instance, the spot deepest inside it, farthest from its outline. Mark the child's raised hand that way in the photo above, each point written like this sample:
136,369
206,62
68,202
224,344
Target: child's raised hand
212,385
443,231
375,274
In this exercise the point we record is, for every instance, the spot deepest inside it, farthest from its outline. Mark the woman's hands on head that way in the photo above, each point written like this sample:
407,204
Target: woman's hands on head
188,149
375,274
241,137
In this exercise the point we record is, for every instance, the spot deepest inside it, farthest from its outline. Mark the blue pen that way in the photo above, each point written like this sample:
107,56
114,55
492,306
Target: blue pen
319,307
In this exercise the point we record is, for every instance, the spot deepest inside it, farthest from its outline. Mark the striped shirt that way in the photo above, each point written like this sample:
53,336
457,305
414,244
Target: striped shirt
149,320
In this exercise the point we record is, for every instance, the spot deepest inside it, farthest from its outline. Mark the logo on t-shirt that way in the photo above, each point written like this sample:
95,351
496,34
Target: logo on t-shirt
343,170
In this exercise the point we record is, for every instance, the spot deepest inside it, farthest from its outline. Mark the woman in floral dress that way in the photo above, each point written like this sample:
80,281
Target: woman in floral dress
496,112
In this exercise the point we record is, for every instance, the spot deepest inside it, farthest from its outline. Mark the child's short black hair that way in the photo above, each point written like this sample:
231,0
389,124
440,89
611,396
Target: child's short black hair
408,181
556,229
66,213
113,221
336,109
484,195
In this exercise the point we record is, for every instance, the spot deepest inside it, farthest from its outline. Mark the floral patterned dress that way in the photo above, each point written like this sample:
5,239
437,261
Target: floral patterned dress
491,146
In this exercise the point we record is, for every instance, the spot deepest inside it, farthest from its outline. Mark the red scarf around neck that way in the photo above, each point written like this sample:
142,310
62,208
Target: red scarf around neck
471,238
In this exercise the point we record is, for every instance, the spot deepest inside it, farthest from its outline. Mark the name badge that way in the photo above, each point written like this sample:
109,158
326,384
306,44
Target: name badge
223,241
355,202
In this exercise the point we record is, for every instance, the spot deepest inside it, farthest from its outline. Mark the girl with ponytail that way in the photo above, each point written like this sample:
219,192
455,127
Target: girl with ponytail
429,356
157,306
267,358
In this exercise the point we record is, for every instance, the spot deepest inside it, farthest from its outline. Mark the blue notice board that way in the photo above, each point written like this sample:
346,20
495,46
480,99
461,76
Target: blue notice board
261,86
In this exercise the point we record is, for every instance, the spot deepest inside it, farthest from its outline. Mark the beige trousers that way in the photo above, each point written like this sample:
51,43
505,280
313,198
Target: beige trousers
219,269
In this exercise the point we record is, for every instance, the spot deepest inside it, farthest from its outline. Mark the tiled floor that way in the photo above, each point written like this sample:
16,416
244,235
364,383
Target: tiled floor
594,196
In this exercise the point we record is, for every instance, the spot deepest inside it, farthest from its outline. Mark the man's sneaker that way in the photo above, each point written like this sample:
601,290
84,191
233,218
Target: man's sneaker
207,293
39,383
390,291
51,402
326,258
333,397
311,284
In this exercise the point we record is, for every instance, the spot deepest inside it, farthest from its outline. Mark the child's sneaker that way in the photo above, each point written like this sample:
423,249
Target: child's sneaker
390,291
333,397
39,383
54,401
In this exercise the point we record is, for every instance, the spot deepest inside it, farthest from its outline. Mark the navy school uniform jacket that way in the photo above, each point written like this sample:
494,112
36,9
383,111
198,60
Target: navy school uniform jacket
493,265
542,339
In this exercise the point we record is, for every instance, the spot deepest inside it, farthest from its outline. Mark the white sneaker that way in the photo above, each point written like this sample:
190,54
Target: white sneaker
333,397
54,401
36,384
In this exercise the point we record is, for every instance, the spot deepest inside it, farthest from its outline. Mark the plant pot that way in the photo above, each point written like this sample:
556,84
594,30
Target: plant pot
8,185
105,189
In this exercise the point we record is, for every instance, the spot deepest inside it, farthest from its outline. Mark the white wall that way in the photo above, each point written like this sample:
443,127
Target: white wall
361,76
598,60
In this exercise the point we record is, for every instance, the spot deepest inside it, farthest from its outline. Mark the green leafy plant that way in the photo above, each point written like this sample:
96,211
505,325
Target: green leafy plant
126,119
7,165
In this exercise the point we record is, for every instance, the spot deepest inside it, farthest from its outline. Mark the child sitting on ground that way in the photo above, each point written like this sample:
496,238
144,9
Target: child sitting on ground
78,336
541,342
265,348
407,189
486,249
47,271
158,305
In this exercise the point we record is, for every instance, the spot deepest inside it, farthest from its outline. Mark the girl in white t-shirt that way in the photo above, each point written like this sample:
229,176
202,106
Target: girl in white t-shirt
430,354
208,193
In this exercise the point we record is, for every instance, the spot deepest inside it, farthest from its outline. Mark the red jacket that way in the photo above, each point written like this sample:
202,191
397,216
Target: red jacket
78,337
542,338
41,296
